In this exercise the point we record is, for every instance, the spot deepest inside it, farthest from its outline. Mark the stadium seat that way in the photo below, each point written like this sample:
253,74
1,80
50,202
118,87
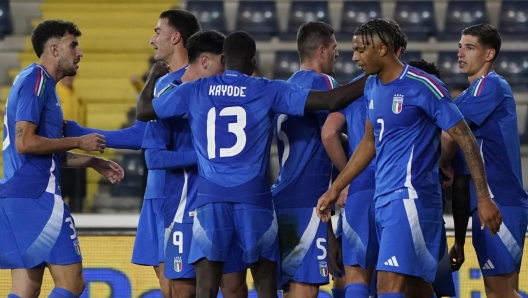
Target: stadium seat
513,20
305,11
513,66
416,19
448,65
209,13
354,14
5,19
286,63
412,55
460,15
345,69
258,18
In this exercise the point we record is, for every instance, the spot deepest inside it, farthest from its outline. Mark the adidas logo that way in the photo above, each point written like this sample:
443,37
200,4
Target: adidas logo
392,262
488,265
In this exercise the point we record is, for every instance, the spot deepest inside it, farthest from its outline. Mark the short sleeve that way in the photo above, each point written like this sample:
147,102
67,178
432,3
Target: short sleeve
481,101
31,99
173,101
157,135
437,104
289,98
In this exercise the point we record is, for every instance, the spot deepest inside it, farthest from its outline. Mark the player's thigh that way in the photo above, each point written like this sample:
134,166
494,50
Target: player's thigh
410,236
233,285
177,251
504,285
68,277
302,290
26,282
183,288
148,244
501,254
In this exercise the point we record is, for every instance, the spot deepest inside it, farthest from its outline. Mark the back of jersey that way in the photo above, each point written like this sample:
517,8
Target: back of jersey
304,165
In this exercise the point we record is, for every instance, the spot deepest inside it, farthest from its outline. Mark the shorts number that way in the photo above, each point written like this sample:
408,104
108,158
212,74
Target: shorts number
380,121
177,240
69,220
319,244
284,138
236,128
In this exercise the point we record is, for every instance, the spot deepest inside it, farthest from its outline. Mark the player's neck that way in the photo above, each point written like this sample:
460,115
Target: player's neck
311,65
191,74
391,71
178,60
52,69
482,72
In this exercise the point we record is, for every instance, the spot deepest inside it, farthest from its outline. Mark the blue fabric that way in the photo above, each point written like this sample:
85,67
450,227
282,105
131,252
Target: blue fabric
126,138
11,295
338,293
357,290
61,293
391,295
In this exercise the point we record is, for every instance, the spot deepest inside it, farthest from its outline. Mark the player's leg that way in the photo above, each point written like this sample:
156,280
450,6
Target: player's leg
233,284
26,282
69,278
500,256
256,231
304,252
164,282
183,288
338,287
181,275
208,277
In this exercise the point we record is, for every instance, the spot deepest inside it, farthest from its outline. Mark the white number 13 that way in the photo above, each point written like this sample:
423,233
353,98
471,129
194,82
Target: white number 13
237,128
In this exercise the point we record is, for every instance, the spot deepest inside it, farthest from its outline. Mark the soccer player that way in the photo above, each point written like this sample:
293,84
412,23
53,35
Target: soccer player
230,118
36,228
172,31
168,146
489,108
405,108
305,171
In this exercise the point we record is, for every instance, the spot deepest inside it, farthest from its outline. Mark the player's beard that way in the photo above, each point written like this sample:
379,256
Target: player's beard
66,68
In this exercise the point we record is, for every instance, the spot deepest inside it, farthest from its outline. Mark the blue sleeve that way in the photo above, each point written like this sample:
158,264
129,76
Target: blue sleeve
30,104
174,101
289,98
439,107
481,102
161,159
157,135
126,138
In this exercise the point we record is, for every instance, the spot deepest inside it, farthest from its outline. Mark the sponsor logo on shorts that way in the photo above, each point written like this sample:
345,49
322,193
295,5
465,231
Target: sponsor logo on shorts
178,264
488,265
392,262
323,269
77,247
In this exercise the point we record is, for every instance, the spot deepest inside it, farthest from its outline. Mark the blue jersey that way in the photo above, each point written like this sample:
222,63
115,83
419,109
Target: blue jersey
156,178
230,117
407,116
356,115
489,109
32,98
304,165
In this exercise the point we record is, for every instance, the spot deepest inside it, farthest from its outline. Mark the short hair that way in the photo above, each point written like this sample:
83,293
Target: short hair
239,47
389,34
429,68
312,35
401,38
205,41
51,29
183,22
488,36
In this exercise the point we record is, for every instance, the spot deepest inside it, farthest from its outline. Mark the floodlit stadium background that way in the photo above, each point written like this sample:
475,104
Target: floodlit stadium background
115,43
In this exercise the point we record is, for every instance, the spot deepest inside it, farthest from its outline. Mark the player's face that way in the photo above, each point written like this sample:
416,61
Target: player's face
471,55
215,66
69,55
163,40
365,55
331,54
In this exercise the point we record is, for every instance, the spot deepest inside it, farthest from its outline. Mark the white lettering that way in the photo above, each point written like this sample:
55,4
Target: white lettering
230,90
242,94
218,89
177,240
227,90
236,92
211,90
224,89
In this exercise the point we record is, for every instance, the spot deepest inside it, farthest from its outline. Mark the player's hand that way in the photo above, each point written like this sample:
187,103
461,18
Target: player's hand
449,175
92,142
159,69
109,169
456,256
335,257
489,215
324,205
341,201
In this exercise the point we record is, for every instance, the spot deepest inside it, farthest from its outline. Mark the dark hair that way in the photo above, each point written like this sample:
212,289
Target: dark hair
239,48
206,41
429,68
182,21
312,35
389,34
488,36
401,39
51,29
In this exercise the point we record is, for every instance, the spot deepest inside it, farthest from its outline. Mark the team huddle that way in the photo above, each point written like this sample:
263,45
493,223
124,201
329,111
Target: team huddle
206,126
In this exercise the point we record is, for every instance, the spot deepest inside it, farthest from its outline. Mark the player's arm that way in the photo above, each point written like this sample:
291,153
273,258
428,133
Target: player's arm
144,109
331,137
126,138
363,155
107,168
488,212
29,142
162,159
335,99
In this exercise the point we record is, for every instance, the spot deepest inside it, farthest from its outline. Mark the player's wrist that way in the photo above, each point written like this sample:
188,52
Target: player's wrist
484,199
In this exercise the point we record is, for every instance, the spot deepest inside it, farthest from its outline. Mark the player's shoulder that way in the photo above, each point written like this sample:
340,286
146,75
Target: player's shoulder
422,82
489,84
313,80
30,74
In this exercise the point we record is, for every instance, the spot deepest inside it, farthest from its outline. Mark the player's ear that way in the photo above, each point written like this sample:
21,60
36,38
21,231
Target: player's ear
321,51
383,49
490,54
176,37
204,60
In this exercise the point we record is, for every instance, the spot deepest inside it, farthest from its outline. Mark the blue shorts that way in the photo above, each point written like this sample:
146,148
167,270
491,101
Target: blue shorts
360,242
149,246
443,283
303,247
218,227
178,249
409,237
501,254
36,232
